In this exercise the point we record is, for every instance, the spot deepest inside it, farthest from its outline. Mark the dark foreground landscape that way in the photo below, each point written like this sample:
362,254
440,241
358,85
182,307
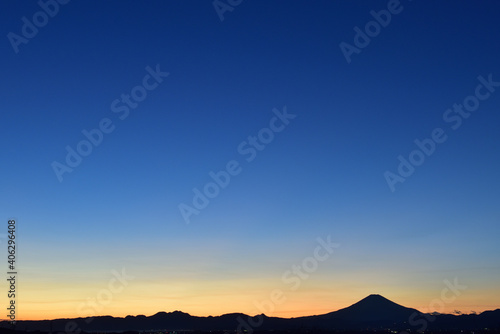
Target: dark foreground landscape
298,331
373,314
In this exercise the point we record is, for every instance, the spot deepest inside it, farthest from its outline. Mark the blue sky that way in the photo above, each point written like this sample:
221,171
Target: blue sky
322,175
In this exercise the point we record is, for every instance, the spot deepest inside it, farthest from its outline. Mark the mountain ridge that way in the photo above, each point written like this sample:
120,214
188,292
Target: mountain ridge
371,312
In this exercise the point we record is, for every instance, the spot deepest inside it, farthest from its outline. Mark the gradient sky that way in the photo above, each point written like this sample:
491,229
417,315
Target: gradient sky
323,175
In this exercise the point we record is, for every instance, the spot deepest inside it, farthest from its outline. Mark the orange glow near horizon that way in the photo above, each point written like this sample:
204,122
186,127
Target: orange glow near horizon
293,304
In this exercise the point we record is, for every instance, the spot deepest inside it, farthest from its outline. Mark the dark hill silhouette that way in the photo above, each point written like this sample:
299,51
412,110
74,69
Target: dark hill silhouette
374,308
372,312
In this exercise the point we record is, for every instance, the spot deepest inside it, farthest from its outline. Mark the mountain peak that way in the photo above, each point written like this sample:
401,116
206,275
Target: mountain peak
375,298
375,301
375,295
374,307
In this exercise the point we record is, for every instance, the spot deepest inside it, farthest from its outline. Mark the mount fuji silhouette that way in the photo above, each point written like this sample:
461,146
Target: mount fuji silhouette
374,308
371,313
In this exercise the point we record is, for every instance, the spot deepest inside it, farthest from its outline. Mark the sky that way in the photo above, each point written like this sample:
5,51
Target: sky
201,156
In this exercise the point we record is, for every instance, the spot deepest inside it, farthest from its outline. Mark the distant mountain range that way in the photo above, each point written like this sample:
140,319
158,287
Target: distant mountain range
371,313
